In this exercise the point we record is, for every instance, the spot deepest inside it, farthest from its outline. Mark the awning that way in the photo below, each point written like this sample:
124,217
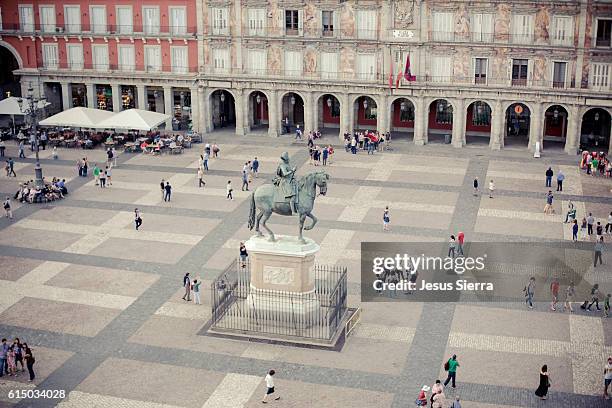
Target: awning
10,106
134,119
78,117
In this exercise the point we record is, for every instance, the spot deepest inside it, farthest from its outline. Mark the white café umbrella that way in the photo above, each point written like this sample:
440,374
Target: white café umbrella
10,106
78,118
134,119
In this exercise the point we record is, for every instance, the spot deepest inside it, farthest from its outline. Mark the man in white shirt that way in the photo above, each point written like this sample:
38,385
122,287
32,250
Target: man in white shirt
607,377
269,387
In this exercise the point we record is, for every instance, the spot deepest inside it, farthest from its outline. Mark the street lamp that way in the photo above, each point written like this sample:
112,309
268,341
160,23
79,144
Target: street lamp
222,97
596,116
293,99
258,99
556,113
403,105
30,108
365,103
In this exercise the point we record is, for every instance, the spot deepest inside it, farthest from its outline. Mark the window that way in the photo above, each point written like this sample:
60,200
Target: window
293,22
257,62
480,70
366,24
604,27
559,69
481,114
152,58
293,63
563,30
366,66
600,76
75,56
150,20
443,27
26,18
329,65
482,27
327,18
522,28
126,57
125,20
50,59
220,26
257,18
178,20
444,112
47,19
72,19
99,54
98,19
519,72
441,68
179,60
221,60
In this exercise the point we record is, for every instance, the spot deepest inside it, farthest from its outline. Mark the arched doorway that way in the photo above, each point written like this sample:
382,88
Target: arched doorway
595,130
258,111
328,114
8,81
555,127
402,119
222,110
365,113
292,108
518,121
440,121
478,123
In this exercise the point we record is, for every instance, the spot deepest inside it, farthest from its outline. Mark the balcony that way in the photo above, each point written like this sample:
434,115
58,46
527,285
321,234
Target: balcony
182,31
487,38
137,69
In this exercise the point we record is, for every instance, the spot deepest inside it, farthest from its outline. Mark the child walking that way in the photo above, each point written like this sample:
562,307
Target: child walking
229,190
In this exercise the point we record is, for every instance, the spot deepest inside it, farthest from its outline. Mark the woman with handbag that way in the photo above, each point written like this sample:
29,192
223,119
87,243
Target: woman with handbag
542,390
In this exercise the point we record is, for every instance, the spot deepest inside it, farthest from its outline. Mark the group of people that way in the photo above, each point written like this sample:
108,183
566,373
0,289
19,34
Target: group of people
437,398
595,296
368,141
320,156
594,163
28,192
192,289
16,354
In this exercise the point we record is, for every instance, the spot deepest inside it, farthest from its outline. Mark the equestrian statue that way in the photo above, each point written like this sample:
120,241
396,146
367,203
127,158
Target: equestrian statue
287,196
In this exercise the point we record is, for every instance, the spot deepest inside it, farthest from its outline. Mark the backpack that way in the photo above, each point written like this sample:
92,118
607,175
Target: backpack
447,365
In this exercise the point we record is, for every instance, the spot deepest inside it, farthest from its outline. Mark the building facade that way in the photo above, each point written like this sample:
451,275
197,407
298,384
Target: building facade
484,72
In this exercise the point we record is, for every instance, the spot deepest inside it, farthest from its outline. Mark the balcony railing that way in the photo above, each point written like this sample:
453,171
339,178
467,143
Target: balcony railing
105,29
481,37
120,68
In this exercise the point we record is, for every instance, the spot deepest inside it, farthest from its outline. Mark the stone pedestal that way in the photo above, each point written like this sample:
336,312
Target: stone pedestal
282,278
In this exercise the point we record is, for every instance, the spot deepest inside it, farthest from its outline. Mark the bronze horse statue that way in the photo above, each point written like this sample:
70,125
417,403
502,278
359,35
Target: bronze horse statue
262,199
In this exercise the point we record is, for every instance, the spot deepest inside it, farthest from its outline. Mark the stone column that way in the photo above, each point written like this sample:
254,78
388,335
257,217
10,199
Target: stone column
572,136
273,114
66,96
203,111
344,115
420,124
168,106
350,118
315,112
308,113
141,97
382,115
535,126
195,109
91,96
458,134
116,90
239,108
497,127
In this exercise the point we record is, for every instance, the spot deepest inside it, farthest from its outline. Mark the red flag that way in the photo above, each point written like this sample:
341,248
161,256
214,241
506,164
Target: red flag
400,74
407,74
391,74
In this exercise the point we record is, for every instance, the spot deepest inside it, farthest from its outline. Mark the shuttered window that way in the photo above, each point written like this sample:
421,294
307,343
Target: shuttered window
72,19
26,18
100,57
293,63
75,56
47,19
366,24
257,62
98,19
366,66
179,60
443,27
441,69
600,76
256,22
50,56
522,28
150,20
329,65
220,21
153,58
563,30
482,27
221,60
126,57
178,20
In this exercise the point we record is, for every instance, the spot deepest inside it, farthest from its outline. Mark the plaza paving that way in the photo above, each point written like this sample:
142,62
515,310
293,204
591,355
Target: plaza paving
101,303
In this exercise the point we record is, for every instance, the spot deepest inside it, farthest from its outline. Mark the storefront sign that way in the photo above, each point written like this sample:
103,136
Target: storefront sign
405,34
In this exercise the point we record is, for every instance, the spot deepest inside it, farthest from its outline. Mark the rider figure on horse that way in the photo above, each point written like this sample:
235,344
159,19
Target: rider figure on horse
285,182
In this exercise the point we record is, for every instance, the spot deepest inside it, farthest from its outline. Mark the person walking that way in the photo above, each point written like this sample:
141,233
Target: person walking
96,174
244,255
8,213
475,186
28,356
606,312
201,182
205,161
137,218
460,240
554,293
549,176
269,387
451,366
229,190
583,228
196,292
607,377
575,231
18,353
421,400
491,188
102,178
43,140
187,287
255,167
595,295
560,178
529,290
609,224
21,150
598,250
456,403
109,175
10,164
245,181
4,347
386,219
571,213
569,297
168,191
325,154
452,247
548,208
590,222
162,185
542,390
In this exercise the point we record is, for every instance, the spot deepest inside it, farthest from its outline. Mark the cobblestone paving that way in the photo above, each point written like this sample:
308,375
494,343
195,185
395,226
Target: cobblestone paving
101,303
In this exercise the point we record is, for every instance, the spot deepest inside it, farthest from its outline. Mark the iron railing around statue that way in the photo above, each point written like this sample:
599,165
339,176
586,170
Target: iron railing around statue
317,315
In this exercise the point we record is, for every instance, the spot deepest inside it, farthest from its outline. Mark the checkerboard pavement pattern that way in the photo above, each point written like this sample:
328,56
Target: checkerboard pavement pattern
101,304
